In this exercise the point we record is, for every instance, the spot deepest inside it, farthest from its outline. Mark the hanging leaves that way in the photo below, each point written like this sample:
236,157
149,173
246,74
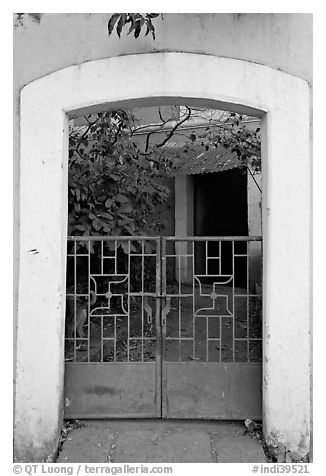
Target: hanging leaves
113,189
112,22
137,22
114,184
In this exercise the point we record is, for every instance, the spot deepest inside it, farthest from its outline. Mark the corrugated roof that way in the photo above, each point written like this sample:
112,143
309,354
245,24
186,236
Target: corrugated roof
203,162
196,160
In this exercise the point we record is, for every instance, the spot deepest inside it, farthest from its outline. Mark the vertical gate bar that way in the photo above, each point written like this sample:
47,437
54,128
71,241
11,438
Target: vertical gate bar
102,342
115,339
179,330
220,256
206,256
89,305
115,257
179,301
233,313
102,318
179,268
193,301
158,353
115,317
102,257
207,337
142,298
220,319
247,262
75,301
163,331
262,320
128,297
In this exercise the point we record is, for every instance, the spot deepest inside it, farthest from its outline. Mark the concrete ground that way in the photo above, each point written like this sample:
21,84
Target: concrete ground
160,441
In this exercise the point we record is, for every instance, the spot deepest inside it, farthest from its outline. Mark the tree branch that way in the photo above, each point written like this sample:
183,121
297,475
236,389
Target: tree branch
90,124
234,134
248,168
178,124
116,136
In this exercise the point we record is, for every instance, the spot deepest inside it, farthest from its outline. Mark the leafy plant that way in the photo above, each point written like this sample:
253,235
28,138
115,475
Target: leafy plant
232,133
211,129
113,188
114,180
136,22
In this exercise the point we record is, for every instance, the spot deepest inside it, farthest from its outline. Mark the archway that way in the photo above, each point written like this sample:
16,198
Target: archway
283,103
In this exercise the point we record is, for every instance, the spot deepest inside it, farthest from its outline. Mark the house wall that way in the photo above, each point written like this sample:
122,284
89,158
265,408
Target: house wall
280,41
255,229
283,43
184,223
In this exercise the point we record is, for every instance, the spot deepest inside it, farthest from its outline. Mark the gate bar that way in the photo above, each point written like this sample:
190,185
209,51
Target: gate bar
112,238
213,238
167,238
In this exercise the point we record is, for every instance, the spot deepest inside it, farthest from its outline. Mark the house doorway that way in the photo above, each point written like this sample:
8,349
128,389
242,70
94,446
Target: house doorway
221,204
221,209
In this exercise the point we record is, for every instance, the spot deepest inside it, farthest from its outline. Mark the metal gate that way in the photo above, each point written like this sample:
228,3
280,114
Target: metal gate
163,327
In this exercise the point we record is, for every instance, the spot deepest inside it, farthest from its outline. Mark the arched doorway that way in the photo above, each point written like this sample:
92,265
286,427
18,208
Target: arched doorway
283,102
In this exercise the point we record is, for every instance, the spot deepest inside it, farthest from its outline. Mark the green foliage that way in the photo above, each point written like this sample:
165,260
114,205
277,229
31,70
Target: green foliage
19,18
233,134
113,188
114,180
135,21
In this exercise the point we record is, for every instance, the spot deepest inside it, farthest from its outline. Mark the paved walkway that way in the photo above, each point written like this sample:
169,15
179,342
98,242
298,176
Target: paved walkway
160,441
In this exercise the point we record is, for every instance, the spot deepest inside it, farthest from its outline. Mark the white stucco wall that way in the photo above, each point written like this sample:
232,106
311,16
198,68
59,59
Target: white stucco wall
279,40
255,229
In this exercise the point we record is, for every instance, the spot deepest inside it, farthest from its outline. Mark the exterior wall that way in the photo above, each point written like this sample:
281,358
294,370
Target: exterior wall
254,229
184,222
282,42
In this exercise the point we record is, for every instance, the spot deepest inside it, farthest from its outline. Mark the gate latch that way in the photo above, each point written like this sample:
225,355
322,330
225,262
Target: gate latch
148,310
165,310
